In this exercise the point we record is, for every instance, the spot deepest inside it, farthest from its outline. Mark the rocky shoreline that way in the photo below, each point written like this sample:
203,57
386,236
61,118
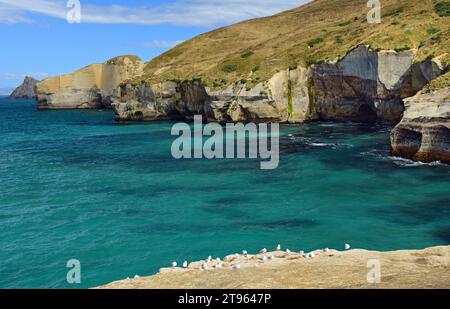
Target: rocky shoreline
325,268
363,86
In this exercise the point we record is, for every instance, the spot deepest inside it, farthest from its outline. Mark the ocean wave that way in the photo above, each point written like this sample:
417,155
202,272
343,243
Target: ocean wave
399,161
410,163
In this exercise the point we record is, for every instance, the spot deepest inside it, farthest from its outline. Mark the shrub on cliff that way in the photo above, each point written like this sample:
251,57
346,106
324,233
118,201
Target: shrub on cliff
442,8
229,68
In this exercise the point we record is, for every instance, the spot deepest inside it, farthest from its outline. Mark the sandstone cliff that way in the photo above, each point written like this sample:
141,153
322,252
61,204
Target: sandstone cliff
274,100
424,132
90,87
26,90
364,86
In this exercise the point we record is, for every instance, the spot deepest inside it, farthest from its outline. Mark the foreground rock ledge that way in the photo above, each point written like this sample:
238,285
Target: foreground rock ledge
429,268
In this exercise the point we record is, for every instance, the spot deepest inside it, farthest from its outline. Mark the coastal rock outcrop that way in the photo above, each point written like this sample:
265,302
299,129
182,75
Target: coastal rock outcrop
364,86
424,132
26,90
90,87
369,86
284,98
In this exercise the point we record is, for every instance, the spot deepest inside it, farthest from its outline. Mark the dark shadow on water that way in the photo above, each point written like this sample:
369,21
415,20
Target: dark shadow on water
443,234
277,224
415,213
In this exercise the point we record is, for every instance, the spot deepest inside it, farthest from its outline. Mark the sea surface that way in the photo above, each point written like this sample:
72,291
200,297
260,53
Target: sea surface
78,185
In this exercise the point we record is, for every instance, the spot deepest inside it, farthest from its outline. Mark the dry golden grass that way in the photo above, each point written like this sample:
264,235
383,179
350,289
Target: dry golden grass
322,30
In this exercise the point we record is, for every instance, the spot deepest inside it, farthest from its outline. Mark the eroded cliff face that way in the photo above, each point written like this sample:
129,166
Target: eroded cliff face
424,132
369,86
364,86
90,87
284,98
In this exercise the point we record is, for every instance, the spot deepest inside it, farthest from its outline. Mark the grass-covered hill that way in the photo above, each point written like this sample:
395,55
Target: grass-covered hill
252,51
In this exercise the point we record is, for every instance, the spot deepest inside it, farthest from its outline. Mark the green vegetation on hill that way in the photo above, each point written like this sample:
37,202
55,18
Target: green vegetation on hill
322,30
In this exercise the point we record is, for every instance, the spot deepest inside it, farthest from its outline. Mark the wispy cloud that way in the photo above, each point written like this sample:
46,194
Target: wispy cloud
161,44
203,13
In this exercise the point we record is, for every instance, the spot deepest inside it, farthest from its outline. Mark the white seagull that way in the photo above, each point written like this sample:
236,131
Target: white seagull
347,247
245,253
185,264
278,247
204,266
209,258
136,277
174,264
288,251
263,251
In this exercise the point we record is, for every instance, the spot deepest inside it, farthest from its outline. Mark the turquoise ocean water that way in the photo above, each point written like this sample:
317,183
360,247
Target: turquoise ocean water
78,185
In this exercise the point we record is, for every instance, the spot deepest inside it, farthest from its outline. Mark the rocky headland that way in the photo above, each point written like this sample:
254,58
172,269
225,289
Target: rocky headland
26,89
415,269
89,87
350,71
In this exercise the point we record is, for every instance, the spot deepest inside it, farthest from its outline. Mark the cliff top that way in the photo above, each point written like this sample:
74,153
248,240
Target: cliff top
333,269
322,30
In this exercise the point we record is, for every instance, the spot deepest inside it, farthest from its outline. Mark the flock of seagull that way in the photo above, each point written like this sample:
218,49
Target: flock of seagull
219,263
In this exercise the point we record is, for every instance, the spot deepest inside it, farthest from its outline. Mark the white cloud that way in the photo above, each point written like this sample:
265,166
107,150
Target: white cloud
161,44
203,13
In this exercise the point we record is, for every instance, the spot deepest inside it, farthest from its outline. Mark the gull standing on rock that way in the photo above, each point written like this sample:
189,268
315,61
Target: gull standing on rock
174,264
279,248
263,251
185,264
347,247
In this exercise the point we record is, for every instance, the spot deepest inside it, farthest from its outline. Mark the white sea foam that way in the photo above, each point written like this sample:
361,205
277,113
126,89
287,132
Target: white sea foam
410,163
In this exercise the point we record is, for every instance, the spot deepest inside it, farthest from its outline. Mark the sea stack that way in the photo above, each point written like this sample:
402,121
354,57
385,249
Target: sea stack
26,90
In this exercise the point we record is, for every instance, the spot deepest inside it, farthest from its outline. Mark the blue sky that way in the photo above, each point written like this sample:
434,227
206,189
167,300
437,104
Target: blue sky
37,40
